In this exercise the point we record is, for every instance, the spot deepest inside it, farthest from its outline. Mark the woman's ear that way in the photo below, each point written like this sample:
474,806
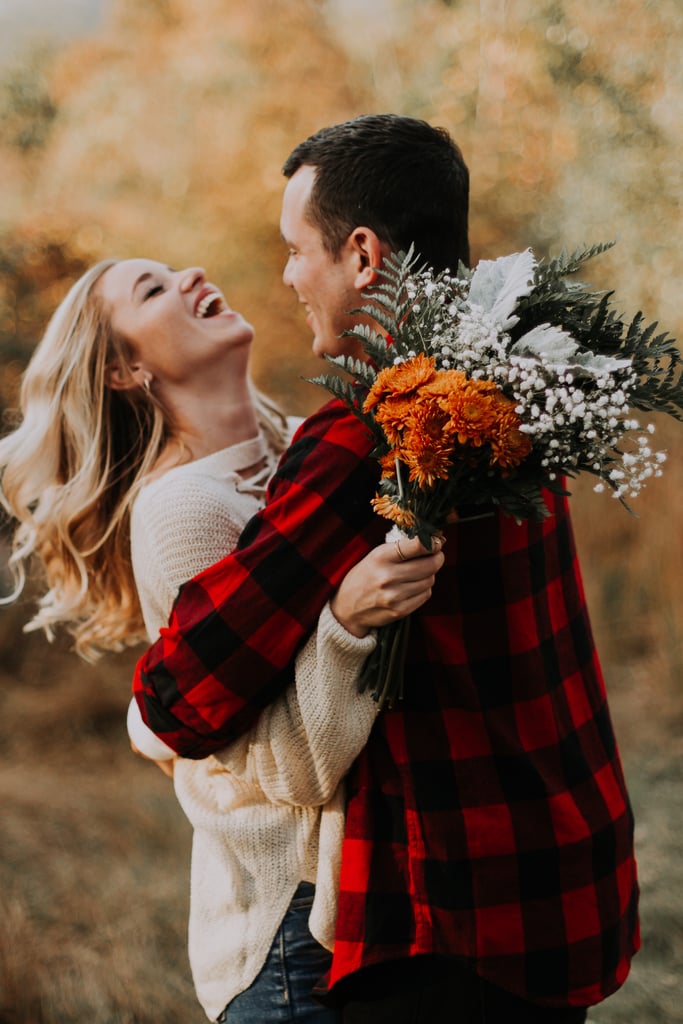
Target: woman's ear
369,253
123,378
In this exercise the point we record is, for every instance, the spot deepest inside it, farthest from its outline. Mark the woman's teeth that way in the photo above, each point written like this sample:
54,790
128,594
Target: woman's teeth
211,305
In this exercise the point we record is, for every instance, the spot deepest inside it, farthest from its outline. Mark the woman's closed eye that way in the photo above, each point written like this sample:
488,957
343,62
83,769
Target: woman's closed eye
155,289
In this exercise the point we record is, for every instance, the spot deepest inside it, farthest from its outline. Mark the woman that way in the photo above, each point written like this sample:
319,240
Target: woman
142,430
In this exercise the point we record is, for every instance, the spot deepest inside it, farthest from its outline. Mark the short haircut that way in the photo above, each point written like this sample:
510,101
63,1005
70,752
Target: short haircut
399,176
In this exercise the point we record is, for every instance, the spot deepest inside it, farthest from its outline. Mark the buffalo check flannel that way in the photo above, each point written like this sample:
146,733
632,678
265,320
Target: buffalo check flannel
488,817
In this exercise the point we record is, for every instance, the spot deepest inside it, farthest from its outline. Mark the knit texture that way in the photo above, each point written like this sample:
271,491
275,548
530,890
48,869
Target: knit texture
267,812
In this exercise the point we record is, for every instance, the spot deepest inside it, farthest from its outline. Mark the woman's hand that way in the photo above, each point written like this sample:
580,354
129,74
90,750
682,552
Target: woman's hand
391,581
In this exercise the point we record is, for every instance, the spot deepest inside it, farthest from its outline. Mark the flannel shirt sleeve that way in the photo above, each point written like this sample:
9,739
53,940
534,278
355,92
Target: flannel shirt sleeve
235,628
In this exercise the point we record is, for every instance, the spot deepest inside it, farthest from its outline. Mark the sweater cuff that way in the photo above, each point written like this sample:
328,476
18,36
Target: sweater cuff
345,642
143,739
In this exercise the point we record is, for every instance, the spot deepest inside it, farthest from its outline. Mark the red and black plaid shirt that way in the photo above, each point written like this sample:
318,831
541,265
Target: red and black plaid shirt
488,817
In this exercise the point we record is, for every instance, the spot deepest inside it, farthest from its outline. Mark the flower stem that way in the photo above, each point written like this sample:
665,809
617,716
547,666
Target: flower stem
384,670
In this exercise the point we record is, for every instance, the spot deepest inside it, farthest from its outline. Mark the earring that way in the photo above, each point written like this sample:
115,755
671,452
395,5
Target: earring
146,386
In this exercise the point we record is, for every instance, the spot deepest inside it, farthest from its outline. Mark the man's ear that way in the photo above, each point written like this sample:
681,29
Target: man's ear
369,253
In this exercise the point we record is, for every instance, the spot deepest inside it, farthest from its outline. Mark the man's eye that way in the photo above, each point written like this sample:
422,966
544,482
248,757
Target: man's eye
154,290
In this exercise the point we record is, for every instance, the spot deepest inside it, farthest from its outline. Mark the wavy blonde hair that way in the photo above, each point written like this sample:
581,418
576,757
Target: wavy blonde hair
71,469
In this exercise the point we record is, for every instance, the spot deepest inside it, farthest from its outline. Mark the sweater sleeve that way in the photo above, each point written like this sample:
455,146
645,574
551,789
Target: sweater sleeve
306,741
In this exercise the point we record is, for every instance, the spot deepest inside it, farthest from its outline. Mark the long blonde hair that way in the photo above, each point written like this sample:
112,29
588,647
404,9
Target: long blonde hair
71,469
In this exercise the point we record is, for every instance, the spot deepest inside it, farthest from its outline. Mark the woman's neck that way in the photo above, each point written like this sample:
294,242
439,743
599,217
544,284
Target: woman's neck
209,420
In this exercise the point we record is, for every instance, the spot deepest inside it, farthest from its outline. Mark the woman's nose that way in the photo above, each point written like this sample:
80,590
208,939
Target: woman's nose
287,274
191,277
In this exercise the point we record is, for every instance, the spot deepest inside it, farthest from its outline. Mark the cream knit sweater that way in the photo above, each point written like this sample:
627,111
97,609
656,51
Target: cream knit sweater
267,812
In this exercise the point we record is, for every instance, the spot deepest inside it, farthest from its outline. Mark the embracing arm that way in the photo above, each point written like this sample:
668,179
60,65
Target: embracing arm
306,740
235,629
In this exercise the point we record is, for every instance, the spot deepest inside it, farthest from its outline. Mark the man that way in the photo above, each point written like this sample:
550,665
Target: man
487,869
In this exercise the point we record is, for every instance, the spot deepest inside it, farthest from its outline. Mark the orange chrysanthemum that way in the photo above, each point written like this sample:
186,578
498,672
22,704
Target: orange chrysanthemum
388,463
473,411
393,415
428,444
386,507
403,379
444,383
509,446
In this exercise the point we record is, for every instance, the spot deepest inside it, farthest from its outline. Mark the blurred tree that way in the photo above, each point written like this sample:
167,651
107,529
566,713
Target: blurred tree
172,125
35,273
570,112
26,109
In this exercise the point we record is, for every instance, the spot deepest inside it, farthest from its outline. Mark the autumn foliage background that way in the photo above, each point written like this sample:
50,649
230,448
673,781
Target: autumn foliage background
163,135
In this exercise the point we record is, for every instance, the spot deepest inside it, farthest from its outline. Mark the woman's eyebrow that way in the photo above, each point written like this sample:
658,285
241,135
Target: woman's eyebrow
143,277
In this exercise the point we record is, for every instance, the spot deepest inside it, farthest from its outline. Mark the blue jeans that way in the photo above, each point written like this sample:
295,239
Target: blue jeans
282,989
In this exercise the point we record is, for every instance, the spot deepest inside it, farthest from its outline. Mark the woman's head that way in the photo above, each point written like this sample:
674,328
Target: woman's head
97,410
127,340
177,328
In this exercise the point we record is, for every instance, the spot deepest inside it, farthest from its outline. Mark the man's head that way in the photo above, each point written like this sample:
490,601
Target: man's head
358,191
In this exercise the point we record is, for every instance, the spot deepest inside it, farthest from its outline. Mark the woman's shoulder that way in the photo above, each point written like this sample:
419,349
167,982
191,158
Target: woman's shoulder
183,497
168,490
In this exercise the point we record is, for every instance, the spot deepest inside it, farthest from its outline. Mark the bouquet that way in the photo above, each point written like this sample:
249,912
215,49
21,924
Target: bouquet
485,387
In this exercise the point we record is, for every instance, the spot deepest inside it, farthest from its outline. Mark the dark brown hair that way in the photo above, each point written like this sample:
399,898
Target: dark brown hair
399,176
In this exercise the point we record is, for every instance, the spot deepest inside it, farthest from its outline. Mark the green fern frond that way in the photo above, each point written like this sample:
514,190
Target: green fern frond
385,317
347,392
567,264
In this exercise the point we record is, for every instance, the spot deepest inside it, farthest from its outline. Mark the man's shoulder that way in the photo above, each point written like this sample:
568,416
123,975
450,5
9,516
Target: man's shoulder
334,423
331,452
